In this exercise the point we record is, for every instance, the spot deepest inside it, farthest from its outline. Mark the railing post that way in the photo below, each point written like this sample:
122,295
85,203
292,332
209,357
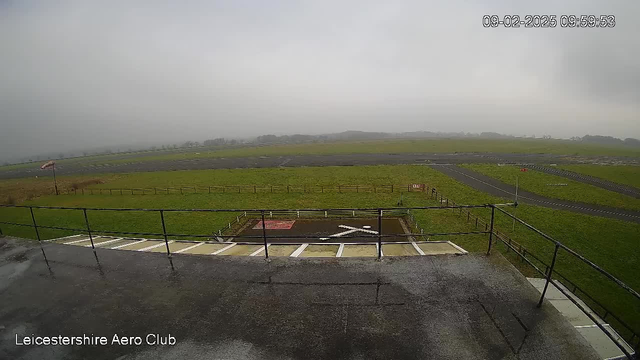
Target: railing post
35,227
379,234
86,221
264,236
546,284
166,240
493,212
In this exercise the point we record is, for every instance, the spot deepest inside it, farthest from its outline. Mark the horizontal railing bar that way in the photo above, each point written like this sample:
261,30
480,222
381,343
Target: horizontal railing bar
572,252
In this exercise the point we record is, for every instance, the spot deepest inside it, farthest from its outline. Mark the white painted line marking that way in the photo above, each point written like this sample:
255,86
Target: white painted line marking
415,246
224,248
343,233
367,227
64,237
299,250
324,239
76,241
458,247
340,250
358,229
133,243
259,250
188,248
155,246
104,242
587,326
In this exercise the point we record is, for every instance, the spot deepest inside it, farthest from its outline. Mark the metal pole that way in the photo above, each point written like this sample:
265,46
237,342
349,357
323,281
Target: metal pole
264,236
515,208
549,273
493,211
55,182
35,227
86,220
166,240
379,234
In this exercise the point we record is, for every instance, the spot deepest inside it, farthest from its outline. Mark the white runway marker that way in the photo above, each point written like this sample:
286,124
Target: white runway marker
133,243
105,242
224,249
188,248
415,246
259,250
76,241
340,250
154,246
299,250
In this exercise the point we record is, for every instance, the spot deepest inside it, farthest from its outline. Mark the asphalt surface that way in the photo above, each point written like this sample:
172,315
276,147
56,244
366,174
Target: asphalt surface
495,187
428,307
309,160
601,183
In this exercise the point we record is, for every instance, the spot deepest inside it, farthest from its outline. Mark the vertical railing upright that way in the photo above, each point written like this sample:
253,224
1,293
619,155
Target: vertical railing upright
86,221
264,236
35,227
549,273
166,239
493,213
379,234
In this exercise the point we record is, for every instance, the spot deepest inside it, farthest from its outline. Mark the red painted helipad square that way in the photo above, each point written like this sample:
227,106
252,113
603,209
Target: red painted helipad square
275,224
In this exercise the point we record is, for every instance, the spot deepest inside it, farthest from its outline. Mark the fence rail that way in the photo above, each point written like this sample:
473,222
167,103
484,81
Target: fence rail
244,189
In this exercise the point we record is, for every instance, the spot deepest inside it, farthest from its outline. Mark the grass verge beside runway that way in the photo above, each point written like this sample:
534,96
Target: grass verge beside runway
621,174
550,186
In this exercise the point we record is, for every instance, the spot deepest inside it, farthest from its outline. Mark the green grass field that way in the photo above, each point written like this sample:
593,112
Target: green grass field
539,146
537,182
621,174
609,243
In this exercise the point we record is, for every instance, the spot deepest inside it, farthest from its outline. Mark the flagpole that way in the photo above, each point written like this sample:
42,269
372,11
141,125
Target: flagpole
55,183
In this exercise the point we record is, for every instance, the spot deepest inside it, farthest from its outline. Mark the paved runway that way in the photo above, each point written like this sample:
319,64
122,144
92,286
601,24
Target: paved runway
495,187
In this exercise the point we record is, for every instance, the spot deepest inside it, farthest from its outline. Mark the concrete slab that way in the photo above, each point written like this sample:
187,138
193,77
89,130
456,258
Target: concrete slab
399,250
86,242
359,251
570,311
241,250
119,243
141,245
603,345
438,248
320,251
282,250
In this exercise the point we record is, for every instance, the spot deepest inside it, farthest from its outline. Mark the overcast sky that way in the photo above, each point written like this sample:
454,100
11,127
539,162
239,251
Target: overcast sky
84,73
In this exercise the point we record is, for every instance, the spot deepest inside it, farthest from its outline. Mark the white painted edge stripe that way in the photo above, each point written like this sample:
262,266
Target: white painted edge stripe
299,250
135,242
587,326
224,249
458,247
155,246
340,250
105,242
259,250
76,241
415,246
188,248
63,238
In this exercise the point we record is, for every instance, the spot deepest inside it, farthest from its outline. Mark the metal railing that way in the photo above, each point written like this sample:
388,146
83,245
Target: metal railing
376,238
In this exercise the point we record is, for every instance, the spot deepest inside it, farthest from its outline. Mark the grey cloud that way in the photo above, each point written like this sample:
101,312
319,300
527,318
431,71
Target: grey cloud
89,73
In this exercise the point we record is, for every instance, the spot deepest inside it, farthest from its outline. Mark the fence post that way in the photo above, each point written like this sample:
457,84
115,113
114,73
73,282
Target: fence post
379,234
254,189
391,187
155,191
209,189
264,236
546,284
35,227
493,211
166,240
339,189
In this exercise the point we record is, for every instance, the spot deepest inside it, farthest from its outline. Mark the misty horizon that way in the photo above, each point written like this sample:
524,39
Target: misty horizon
79,74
